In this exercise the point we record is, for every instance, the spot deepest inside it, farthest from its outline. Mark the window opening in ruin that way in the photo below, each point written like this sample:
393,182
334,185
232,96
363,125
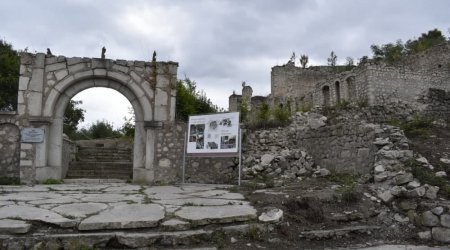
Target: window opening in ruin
338,91
351,89
326,96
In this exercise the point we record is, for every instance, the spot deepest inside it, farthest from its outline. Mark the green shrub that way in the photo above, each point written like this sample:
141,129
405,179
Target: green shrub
281,114
362,103
263,114
305,108
343,105
418,126
52,182
9,180
348,193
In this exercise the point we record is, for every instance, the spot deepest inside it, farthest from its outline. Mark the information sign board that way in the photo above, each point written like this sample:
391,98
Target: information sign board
213,134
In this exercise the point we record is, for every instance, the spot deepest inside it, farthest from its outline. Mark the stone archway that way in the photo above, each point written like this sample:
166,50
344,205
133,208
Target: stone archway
48,83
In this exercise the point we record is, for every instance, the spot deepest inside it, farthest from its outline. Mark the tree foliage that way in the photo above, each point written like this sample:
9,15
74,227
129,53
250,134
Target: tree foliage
190,101
73,115
9,76
303,60
394,52
332,60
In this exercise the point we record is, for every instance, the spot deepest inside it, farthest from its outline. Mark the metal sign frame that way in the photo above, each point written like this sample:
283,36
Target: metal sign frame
212,154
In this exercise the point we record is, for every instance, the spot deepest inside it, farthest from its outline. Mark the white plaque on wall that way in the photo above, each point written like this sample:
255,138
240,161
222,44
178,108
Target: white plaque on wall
32,135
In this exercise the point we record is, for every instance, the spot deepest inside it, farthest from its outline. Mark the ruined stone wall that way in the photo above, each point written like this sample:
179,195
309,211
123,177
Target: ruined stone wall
434,59
344,147
438,104
234,103
290,82
9,149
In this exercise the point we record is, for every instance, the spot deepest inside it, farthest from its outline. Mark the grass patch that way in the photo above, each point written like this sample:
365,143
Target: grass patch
253,232
419,126
343,178
348,193
9,180
426,176
53,182
305,108
218,238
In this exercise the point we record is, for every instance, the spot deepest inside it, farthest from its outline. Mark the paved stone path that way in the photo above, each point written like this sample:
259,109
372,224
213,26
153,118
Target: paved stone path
98,206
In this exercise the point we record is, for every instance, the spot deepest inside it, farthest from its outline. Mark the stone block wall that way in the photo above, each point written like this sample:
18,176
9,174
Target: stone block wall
342,148
69,152
9,150
169,160
345,147
438,104
290,82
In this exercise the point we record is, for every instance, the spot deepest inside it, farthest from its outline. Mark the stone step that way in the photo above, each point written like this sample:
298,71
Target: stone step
186,239
94,149
92,181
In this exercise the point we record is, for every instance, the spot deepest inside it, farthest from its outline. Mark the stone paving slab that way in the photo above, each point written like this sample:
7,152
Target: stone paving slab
80,210
35,214
120,205
216,214
14,226
125,216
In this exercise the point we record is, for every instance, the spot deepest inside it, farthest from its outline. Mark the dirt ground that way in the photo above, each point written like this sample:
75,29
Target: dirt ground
318,204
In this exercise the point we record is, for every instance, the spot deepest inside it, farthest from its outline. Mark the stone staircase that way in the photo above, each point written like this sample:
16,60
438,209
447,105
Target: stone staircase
99,162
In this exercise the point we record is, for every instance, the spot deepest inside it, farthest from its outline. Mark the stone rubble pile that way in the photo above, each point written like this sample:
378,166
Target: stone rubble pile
395,185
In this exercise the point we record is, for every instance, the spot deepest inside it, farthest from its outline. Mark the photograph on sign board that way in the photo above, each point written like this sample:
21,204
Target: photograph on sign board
228,142
197,133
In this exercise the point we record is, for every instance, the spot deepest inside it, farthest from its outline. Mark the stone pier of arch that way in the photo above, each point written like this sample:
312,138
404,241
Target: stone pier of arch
46,85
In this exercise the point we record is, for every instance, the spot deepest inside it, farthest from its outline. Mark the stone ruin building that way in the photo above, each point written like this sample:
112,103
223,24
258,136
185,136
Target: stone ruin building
421,81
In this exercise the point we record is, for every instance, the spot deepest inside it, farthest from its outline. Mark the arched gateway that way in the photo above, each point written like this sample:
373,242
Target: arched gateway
46,85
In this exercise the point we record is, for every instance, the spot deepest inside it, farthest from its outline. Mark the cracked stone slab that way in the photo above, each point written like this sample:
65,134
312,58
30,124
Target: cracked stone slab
14,226
217,214
110,198
175,225
61,200
199,202
80,210
125,216
34,213
29,196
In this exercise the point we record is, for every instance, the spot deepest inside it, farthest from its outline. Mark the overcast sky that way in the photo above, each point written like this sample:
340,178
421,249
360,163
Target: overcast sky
218,43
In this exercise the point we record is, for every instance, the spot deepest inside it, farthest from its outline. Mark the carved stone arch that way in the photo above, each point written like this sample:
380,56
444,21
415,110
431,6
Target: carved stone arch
47,83
61,99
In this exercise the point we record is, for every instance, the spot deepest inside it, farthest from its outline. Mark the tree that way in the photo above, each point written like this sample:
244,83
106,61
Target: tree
263,114
128,127
103,129
391,53
332,59
9,76
426,41
304,60
73,115
190,101
293,57
349,63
